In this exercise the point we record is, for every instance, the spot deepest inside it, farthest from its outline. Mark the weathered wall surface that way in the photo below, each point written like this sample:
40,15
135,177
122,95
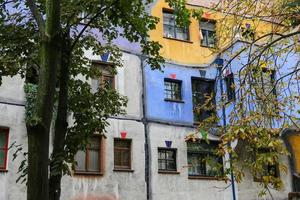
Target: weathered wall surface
179,186
12,117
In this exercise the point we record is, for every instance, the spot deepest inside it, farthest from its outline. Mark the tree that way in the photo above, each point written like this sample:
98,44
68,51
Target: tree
262,109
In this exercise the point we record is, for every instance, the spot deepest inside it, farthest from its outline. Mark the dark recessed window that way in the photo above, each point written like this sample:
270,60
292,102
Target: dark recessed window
202,159
122,153
230,87
89,160
166,159
248,34
268,169
173,89
171,29
3,148
203,98
208,31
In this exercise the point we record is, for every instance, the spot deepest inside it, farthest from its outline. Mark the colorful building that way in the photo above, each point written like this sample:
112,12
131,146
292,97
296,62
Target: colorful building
144,155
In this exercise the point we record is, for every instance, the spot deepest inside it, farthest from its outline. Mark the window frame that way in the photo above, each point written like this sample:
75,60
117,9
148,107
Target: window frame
214,22
173,81
229,81
210,81
174,150
5,148
121,167
204,154
174,26
87,159
106,69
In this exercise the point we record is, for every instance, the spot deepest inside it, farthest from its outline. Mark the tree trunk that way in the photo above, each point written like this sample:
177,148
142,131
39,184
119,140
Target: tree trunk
61,126
38,133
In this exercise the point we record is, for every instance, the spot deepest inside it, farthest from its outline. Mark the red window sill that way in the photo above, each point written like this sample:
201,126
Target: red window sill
123,170
206,178
168,172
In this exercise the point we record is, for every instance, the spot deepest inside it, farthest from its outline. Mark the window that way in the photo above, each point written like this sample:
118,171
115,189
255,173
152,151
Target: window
202,90
3,148
248,34
107,77
166,159
172,89
208,31
90,159
268,169
202,160
230,87
171,30
122,153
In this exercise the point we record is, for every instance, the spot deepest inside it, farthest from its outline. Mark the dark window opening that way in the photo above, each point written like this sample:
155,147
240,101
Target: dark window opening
3,148
202,91
172,89
171,29
248,34
122,153
166,159
230,87
202,159
208,31
268,169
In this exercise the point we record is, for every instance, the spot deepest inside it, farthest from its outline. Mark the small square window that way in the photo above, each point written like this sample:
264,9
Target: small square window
230,87
3,148
202,159
122,153
173,90
166,159
208,31
171,29
89,160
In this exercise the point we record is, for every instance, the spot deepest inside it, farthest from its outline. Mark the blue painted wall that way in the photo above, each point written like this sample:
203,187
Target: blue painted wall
157,107
284,65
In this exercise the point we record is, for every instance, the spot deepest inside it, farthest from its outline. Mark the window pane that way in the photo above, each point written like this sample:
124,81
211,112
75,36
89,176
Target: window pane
167,159
2,158
172,89
80,159
2,139
122,143
93,160
117,158
125,159
201,159
181,33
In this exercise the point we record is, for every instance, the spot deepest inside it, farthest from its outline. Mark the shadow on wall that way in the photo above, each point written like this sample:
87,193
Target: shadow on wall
95,197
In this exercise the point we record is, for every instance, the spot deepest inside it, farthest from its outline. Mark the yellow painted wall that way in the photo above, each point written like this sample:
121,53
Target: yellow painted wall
191,52
294,141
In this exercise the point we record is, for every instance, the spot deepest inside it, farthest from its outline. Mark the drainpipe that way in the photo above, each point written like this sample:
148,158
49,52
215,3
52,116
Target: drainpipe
146,133
220,67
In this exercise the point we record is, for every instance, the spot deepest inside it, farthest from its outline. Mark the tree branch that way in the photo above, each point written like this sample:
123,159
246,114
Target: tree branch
36,15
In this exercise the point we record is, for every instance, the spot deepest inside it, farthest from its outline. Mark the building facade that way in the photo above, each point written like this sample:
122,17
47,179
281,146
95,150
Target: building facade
144,155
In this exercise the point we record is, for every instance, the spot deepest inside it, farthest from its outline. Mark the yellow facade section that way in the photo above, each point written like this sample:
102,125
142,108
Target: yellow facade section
294,141
191,52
